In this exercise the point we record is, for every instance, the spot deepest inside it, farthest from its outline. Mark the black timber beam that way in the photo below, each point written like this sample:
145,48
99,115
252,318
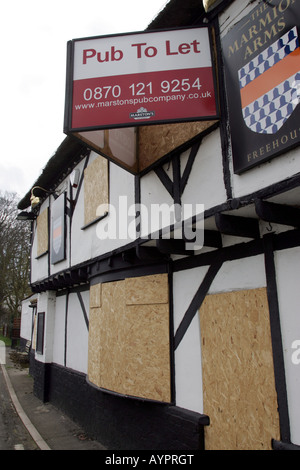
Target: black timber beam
278,213
173,247
237,226
129,256
212,238
148,253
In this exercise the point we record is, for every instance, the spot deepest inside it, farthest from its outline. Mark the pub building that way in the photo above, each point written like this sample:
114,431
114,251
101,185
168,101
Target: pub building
165,251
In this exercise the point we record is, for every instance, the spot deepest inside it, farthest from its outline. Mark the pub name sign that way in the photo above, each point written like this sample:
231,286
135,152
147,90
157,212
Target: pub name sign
262,68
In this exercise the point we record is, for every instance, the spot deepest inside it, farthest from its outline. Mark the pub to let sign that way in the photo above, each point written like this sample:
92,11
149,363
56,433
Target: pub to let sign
262,66
140,78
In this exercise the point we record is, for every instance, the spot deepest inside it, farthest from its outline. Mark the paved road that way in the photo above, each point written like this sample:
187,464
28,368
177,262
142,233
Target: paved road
13,434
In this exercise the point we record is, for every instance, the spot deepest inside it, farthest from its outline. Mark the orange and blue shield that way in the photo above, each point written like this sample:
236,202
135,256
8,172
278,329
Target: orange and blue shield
270,85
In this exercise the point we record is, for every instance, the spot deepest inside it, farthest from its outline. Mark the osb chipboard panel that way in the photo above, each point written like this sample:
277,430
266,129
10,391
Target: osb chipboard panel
95,296
156,141
133,344
42,232
95,189
110,333
238,373
147,352
147,290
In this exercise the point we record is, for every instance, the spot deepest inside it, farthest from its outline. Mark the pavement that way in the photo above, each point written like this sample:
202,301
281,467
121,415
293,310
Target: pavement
49,428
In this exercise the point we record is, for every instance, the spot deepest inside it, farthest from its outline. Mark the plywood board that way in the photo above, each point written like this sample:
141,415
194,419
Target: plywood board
112,321
129,347
154,142
147,290
95,189
42,233
95,296
146,364
238,373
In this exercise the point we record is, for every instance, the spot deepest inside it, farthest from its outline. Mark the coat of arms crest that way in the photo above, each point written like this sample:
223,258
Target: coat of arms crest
270,85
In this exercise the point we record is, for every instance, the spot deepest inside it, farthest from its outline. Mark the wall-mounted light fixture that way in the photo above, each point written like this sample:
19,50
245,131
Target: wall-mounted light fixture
35,200
210,4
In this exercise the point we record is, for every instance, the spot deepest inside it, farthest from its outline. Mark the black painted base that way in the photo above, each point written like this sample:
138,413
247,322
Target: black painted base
119,423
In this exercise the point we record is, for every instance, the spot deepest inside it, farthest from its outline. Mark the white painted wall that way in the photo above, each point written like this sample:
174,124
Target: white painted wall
153,195
121,214
77,333
59,330
206,184
246,273
76,341
288,275
26,319
188,368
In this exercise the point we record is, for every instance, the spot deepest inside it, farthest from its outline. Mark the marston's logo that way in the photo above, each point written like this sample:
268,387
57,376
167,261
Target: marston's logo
270,85
142,113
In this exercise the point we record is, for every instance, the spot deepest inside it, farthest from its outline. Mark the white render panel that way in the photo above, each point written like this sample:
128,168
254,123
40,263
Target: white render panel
153,196
188,376
245,273
188,367
266,174
26,322
77,333
288,273
206,184
113,231
59,330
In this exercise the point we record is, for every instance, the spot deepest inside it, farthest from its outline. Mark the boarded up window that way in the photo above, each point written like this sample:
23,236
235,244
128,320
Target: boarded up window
129,348
95,189
154,142
42,233
238,373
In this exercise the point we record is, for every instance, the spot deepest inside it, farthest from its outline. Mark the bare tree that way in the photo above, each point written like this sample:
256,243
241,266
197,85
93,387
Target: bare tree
14,256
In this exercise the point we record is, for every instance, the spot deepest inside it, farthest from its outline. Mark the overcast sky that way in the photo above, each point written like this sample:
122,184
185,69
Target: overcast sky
34,36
